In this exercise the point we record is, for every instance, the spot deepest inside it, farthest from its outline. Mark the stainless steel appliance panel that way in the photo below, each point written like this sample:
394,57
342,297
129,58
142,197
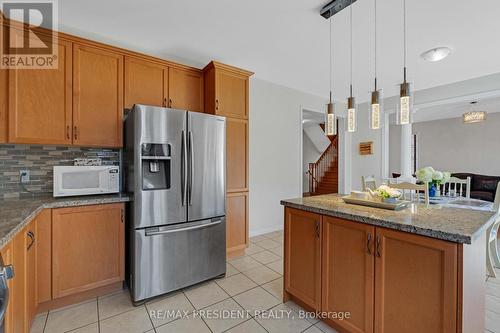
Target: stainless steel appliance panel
160,126
207,166
169,258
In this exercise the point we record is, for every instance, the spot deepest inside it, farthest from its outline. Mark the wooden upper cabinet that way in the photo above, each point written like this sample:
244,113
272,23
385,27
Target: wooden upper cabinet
146,82
226,90
97,97
236,221
415,284
236,155
4,104
40,109
303,256
92,257
348,273
185,89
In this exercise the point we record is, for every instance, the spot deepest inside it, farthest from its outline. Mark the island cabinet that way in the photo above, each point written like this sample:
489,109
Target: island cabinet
226,94
386,280
302,251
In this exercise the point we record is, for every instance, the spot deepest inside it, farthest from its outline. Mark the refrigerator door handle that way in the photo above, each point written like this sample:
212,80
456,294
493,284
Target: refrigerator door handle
191,168
184,168
174,230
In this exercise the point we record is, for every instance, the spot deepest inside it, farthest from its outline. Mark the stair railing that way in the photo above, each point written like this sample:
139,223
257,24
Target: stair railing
318,170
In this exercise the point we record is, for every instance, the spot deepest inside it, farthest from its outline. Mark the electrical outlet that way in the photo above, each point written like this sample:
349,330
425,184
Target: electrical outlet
25,176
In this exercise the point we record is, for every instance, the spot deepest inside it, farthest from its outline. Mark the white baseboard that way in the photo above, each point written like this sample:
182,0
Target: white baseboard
262,231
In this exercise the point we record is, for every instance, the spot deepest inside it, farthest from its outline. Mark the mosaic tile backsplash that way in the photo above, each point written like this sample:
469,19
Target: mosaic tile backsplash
39,160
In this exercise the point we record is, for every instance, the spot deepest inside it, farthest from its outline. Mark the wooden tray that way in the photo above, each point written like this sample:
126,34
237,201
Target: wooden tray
400,204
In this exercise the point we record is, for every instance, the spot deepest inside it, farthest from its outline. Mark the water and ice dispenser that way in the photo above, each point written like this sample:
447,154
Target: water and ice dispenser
156,173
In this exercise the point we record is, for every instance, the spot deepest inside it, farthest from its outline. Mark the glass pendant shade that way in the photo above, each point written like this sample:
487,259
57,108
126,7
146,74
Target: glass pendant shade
330,128
405,106
376,110
351,114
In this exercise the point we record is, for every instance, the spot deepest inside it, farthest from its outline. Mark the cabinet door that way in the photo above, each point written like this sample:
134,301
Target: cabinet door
415,283
44,255
236,221
4,104
236,155
31,296
348,273
231,94
97,97
18,295
8,257
185,90
87,248
303,256
40,109
146,83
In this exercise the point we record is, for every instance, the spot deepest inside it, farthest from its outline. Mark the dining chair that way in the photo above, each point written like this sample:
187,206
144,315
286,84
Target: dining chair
368,182
492,254
456,187
413,190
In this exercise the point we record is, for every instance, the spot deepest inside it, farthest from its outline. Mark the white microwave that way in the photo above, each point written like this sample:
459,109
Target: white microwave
86,180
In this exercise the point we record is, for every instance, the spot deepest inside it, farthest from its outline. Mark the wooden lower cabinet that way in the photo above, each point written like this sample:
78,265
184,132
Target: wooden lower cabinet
348,273
87,248
416,284
236,223
302,272
44,255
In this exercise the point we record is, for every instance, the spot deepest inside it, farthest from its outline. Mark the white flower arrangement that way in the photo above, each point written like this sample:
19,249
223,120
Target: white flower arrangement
429,175
387,192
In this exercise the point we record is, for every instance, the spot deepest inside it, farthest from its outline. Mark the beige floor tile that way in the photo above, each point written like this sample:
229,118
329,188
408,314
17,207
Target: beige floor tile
136,321
92,328
71,318
265,257
249,326
253,248
279,239
284,320
325,328
274,235
205,294
184,325
168,309
275,287
230,315
39,323
261,275
256,299
230,270
245,263
256,239
276,266
277,251
313,329
297,308
268,244
115,304
236,284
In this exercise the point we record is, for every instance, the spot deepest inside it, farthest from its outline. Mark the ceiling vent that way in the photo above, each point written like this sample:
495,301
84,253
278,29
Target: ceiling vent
334,7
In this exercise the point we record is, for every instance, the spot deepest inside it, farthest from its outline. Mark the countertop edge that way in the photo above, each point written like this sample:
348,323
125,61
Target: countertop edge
446,236
59,204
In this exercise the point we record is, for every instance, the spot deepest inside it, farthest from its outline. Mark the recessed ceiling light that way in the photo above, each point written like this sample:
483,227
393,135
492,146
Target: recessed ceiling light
436,54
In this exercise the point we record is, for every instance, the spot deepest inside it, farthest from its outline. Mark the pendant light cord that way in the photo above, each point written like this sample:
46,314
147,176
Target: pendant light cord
375,39
350,23
404,38
331,70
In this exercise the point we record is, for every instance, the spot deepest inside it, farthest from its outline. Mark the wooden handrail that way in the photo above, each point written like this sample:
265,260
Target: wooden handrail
318,169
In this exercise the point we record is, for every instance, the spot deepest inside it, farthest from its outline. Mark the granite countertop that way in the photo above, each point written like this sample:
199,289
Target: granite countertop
15,214
457,225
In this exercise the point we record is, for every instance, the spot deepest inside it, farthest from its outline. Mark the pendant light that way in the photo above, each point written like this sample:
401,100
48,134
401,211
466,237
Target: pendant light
351,102
405,106
376,98
331,123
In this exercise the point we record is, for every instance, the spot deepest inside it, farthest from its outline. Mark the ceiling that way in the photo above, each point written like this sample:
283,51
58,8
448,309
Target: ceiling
286,41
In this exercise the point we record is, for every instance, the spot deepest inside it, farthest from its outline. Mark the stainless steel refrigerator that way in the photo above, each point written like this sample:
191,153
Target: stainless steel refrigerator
175,168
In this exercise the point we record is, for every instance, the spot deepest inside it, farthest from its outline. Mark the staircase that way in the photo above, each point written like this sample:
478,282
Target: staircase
323,175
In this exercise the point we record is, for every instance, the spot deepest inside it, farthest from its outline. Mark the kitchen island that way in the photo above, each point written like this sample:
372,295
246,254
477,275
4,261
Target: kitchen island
420,269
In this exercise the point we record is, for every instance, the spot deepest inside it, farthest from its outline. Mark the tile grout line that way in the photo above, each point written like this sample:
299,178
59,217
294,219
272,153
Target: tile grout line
203,320
98,316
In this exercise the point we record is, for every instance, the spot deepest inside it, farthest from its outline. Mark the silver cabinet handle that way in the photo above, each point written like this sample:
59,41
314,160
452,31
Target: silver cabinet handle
368,243
191,168
170,231
378,246
184,168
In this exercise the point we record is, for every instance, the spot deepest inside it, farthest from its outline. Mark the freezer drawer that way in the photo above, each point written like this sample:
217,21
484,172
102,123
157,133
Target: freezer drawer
169,258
